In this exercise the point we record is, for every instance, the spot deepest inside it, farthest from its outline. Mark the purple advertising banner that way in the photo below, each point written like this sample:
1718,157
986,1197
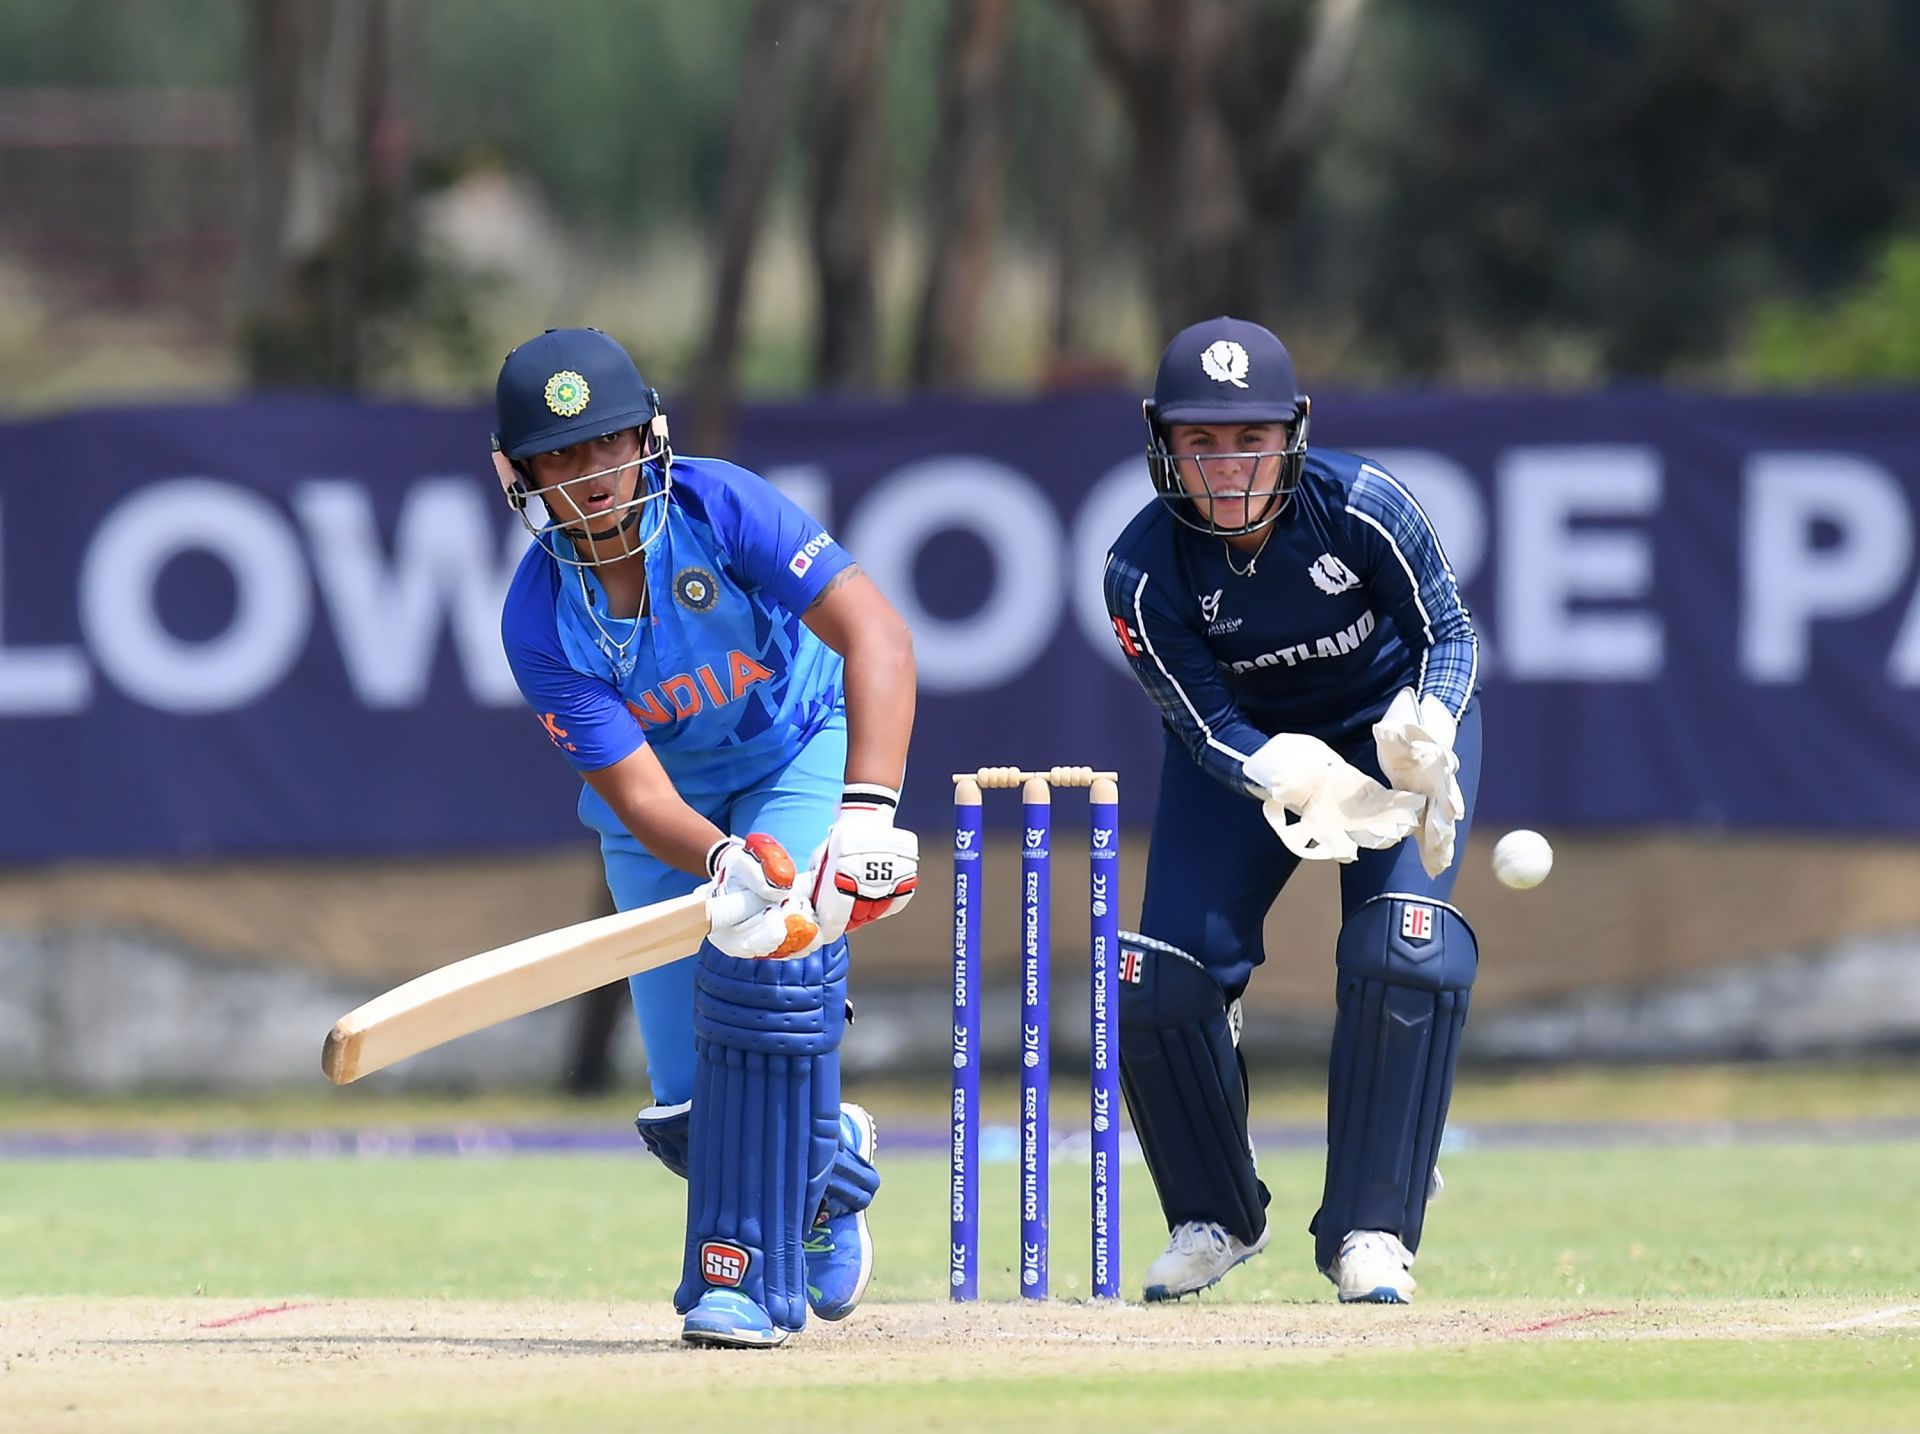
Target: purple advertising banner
272,626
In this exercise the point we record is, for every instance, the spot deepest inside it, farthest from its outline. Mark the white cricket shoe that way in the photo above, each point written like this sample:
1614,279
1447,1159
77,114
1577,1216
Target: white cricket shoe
1198,1253
1373,1268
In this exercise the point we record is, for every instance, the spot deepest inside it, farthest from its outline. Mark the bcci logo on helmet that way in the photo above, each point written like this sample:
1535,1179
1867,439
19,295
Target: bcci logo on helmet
568,394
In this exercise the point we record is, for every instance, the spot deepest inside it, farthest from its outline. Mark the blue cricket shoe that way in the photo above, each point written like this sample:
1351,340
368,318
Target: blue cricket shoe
728,1319
840,1248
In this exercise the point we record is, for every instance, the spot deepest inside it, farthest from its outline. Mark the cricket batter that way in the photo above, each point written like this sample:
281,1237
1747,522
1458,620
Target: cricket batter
734,693
1294,619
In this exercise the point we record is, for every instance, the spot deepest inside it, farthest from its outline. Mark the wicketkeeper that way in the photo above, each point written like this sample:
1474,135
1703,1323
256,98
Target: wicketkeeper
1293,617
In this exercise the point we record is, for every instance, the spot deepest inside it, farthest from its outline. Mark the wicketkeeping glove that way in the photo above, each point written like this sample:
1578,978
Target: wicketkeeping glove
752,904
1414,738
867,867
1340,808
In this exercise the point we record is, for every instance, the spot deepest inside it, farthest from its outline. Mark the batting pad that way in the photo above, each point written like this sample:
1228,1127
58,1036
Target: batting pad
765,1124
851,1184
1185,1088
1406,967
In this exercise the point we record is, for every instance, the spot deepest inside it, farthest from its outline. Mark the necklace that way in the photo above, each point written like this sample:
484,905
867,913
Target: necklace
1253,561
614,650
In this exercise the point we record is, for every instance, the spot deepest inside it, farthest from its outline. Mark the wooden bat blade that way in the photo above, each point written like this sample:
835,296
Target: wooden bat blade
510,981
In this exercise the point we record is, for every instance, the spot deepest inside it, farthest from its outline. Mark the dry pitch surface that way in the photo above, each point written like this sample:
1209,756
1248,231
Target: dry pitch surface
215,1364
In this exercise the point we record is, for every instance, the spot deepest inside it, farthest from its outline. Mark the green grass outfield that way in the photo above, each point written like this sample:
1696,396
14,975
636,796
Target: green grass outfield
1688,1287
1750,1287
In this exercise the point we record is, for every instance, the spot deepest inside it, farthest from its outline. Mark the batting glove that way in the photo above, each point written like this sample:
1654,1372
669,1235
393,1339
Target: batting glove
867,867
752,906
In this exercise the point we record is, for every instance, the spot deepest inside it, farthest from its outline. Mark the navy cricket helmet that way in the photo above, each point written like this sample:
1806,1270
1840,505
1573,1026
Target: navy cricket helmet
564,387
1225,371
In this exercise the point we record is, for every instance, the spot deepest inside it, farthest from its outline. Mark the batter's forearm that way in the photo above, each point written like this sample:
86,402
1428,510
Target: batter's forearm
641,796
880,686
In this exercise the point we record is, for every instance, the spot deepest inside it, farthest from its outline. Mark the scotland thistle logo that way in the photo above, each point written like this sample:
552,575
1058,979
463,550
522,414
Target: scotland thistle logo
567,393
1226,362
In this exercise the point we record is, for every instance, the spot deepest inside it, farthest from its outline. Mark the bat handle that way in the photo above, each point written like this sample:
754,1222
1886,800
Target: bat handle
730,909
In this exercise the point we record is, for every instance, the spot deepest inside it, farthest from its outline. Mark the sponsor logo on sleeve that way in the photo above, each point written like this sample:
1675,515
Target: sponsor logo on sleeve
803,556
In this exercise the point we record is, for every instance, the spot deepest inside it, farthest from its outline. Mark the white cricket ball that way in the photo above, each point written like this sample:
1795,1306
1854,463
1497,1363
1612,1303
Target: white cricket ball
1522,859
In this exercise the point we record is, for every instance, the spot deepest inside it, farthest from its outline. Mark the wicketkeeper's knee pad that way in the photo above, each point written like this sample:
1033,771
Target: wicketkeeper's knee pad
1186,1088
765,1124
1406,966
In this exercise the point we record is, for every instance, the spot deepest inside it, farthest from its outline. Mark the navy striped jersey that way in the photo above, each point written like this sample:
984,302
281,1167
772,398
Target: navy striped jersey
1350,600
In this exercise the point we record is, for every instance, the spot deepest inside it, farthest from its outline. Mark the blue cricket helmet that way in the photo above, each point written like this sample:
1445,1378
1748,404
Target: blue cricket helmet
564,386
1225,370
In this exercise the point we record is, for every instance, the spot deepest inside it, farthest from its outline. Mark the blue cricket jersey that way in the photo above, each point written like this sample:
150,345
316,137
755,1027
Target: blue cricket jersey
1350,600
722,680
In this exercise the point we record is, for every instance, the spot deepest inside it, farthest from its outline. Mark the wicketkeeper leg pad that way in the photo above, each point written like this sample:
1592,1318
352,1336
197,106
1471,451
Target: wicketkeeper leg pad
765,1124
1406,966
1186,1089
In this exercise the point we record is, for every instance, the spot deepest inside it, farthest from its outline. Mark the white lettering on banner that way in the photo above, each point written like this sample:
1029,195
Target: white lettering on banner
807,485
272,599
388,612
1792,575
1547,564
49,681
1452,501
1825,539
1013,518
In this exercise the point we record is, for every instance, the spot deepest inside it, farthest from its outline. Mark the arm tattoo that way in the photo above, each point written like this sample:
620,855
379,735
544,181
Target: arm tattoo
833,582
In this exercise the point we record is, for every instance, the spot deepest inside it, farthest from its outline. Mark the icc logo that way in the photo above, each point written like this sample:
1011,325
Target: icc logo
1031,1060
1099,908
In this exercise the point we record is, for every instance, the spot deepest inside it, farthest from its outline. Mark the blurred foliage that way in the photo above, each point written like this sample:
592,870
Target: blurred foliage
618,110
1632,171
1871,334
1509,191
160,43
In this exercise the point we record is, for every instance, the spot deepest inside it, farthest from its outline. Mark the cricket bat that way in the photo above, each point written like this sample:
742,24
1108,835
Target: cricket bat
512,980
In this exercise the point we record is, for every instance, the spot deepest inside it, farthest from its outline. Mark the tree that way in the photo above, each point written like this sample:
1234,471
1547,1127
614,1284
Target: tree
1221,152
963,195
784,35
845,209
325,252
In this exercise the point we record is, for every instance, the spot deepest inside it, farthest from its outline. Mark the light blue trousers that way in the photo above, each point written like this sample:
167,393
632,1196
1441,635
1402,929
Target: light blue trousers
795,805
